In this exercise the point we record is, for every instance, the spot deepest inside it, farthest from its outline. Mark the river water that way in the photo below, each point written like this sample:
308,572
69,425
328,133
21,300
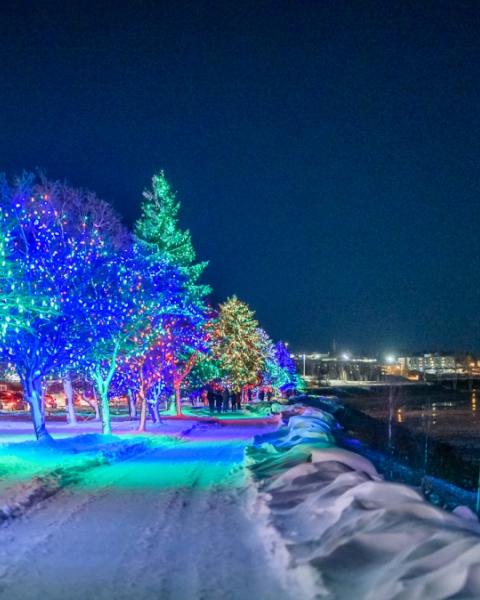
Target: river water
444,415
417,434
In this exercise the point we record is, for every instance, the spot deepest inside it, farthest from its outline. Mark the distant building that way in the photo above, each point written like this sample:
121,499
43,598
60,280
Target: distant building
329,368
432,363
471,365
321,369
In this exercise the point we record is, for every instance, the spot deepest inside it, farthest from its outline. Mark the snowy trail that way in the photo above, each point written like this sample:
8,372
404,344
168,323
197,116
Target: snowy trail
173,523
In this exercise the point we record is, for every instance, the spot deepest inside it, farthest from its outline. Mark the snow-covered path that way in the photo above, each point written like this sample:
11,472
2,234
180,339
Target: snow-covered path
175,522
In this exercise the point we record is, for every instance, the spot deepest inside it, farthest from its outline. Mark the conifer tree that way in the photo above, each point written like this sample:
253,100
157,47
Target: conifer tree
159,227
272,375
183,338
238,344
206,370
287,375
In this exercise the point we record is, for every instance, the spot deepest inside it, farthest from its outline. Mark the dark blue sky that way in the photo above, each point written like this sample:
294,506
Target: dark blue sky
326,153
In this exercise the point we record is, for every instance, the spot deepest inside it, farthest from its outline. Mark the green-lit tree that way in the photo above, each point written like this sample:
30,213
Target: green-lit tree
18,307
237,343
183,337
206,370
158,226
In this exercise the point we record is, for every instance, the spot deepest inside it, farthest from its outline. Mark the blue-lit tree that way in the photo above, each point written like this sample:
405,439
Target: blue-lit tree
272,374
125,383
288,377
173,339
18,308
120,314
56,246
133,300
183,345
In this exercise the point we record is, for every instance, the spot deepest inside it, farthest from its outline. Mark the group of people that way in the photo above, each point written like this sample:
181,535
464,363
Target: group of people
223,401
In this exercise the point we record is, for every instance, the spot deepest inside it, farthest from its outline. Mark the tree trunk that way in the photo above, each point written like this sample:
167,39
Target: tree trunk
102,389
93,403
42,399
105,412
143,400
96,405
132,404
178,402
156,412
151,412
69,403
33,393
143,412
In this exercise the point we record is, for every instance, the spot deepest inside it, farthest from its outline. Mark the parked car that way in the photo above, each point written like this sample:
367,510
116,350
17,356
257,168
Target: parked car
12,401
50,402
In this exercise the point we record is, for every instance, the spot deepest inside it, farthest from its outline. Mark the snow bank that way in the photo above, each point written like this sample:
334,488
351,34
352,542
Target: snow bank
32,472
358,535
291,445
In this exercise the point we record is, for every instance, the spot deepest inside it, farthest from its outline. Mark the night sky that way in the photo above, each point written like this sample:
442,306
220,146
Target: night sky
326,153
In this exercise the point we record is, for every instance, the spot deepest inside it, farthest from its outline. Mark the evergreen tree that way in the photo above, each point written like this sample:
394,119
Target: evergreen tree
183,336
158,226
205,371
272,375
237,343
287,375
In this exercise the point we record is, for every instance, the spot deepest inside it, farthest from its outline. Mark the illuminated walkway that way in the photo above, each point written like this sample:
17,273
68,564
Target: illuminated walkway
176,523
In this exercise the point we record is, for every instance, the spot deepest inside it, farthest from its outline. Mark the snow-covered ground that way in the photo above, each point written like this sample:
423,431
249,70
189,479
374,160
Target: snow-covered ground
353,535
176,515
172,518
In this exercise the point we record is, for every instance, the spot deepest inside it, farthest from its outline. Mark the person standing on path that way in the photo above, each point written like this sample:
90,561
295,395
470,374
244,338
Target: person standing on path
226,399
211,400
233,401
218,401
